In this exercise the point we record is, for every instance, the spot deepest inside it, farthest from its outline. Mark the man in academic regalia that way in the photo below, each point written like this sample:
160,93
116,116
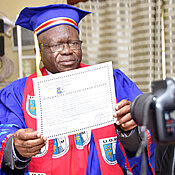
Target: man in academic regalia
107,150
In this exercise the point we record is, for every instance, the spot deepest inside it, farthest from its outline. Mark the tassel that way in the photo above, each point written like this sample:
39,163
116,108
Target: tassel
38,56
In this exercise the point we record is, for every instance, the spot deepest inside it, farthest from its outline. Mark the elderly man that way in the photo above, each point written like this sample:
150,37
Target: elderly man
24,150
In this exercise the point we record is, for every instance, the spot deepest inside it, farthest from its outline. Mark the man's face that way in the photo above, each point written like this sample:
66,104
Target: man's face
60,61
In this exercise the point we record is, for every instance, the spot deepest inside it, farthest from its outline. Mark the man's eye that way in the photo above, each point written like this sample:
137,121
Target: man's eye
49,46
74,43
55,45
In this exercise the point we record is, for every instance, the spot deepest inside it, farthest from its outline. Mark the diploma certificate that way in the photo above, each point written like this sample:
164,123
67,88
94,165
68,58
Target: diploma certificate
73,101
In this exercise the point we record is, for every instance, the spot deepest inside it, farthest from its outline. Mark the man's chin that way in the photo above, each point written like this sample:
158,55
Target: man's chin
67,68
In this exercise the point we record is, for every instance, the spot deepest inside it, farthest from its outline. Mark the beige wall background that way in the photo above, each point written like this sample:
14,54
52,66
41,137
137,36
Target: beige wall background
11,8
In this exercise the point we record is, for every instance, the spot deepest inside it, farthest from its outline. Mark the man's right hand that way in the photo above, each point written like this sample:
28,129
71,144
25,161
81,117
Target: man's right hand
28,142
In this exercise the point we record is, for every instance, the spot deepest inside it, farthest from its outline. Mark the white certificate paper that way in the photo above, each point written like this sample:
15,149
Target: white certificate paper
73,101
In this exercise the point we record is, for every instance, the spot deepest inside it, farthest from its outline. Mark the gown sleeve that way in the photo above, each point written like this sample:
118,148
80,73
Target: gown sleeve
11,114
124,89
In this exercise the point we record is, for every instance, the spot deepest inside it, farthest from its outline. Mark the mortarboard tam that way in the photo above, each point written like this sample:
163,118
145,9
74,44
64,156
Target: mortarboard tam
40,19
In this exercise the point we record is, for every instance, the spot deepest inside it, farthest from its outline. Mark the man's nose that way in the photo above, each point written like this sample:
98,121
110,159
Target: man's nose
66,50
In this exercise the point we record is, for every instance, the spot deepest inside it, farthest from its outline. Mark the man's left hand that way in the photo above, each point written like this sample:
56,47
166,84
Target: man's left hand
123,115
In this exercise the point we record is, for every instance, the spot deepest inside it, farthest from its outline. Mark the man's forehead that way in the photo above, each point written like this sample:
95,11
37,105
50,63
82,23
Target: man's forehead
60,32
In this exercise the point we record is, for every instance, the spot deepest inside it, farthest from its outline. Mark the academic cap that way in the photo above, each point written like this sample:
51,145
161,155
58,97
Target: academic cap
39,19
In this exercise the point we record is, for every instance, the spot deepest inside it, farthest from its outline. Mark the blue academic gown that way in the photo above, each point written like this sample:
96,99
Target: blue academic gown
12,119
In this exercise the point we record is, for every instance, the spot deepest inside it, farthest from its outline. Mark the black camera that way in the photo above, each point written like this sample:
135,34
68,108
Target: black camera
156,111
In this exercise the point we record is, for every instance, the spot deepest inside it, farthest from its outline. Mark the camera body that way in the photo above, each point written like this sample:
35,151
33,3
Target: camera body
156,110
